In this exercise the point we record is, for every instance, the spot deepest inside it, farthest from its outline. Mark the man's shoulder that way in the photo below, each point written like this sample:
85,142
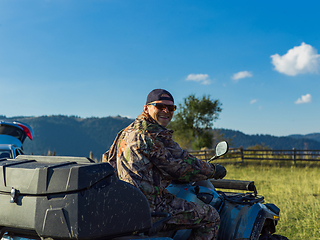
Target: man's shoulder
145,125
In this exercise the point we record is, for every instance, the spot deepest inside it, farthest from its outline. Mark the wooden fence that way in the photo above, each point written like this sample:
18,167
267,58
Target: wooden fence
241,155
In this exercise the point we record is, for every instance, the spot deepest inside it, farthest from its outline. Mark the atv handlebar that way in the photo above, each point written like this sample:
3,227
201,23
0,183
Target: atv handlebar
234,184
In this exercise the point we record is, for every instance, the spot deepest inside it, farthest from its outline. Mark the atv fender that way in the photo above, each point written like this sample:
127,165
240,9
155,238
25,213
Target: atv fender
244,221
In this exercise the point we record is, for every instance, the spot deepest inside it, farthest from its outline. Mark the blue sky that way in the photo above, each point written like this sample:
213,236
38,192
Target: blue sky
101,58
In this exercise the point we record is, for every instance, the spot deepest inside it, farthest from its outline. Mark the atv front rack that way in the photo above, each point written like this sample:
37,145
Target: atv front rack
238,198
235,184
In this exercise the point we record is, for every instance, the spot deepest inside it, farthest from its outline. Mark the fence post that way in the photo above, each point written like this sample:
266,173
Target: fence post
294,155
241,154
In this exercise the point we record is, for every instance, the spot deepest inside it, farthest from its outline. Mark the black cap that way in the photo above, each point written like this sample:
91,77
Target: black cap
158,94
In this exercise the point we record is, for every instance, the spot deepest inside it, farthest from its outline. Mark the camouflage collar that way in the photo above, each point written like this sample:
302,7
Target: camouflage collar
146,117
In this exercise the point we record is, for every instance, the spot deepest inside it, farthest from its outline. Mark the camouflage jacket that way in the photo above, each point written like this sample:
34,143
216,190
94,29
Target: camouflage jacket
145,155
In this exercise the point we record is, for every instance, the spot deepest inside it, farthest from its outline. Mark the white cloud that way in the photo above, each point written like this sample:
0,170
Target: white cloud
253,101
298,60
240,75
202,78
304,99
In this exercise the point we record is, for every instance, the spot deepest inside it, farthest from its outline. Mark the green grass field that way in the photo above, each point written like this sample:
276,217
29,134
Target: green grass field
295,189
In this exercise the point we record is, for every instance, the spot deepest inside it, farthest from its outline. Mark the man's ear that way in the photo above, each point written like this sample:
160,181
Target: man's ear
146,109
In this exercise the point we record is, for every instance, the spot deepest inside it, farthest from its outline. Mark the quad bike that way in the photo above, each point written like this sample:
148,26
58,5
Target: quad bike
243,215
51,197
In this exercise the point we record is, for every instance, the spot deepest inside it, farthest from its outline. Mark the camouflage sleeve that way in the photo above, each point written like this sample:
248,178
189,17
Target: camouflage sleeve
174,162
110,156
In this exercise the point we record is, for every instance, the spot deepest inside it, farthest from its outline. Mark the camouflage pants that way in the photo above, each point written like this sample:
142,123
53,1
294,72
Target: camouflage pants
203,220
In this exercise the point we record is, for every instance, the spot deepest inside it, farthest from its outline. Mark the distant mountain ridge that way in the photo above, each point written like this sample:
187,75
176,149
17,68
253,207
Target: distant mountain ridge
300,142
312,136
74,136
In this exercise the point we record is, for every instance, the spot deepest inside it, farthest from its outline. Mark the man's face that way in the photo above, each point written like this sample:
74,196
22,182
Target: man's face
162,117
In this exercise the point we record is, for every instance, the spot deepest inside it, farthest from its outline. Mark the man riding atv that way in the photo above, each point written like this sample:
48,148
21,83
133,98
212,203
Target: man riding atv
145,155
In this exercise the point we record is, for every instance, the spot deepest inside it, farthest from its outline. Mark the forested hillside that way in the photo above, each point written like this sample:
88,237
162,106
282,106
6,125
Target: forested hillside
239,139
312,136
74,136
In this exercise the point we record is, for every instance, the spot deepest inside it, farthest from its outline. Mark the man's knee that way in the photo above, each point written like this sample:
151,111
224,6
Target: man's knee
190,213
211,214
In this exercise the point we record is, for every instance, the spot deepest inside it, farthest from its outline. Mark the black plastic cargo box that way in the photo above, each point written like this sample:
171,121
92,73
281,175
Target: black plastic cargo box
68,198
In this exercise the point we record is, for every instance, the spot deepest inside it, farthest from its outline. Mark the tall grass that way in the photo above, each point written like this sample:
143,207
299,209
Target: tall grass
295,189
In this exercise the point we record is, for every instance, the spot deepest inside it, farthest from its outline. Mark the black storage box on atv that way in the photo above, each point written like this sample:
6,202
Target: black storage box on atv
68,198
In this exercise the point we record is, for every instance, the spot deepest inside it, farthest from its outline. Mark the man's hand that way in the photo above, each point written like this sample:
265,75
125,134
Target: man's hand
220,171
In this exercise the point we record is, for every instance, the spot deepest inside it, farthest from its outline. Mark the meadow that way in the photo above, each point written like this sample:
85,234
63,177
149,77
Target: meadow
294,188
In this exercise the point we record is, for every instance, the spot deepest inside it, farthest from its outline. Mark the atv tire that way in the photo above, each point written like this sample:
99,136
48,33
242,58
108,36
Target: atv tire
272,237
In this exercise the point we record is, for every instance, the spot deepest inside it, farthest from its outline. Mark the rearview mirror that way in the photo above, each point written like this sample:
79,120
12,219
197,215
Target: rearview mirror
222,148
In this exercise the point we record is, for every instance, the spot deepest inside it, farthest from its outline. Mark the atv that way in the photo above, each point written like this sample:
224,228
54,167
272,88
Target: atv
52,197
244,215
